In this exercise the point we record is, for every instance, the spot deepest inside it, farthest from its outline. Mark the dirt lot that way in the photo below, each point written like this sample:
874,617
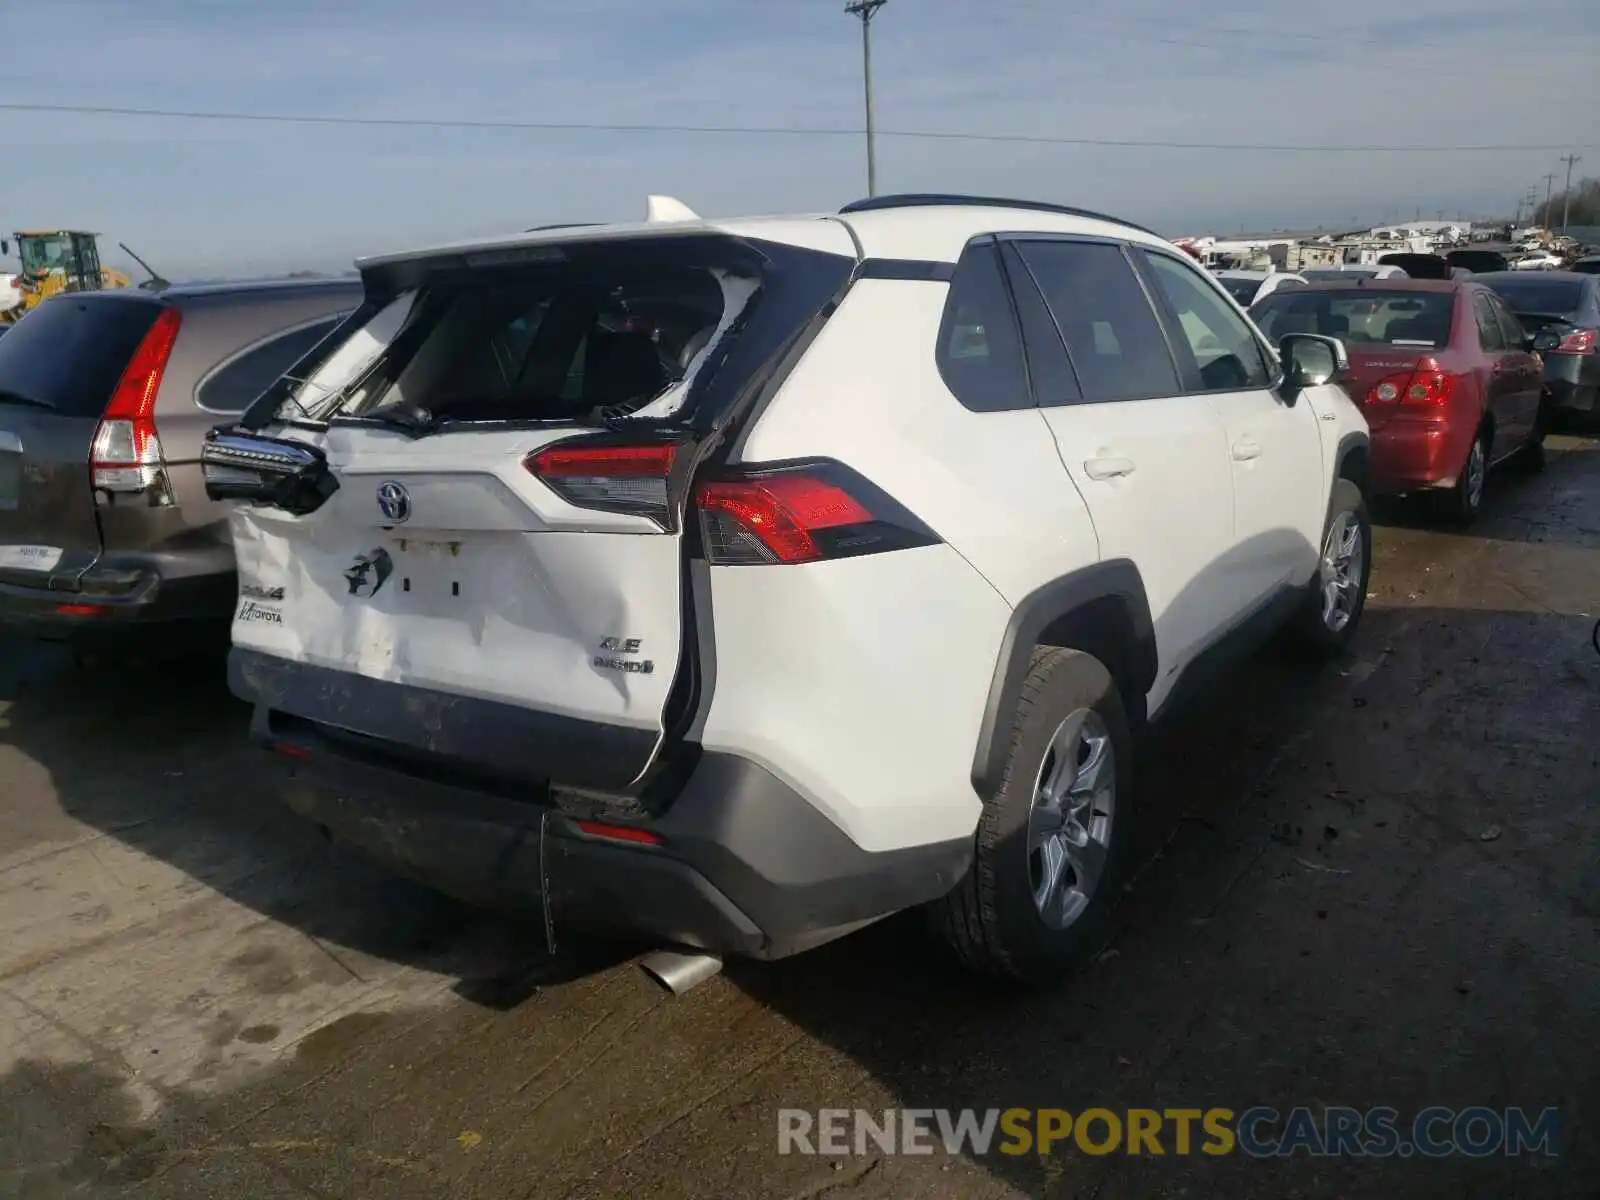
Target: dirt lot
1379,884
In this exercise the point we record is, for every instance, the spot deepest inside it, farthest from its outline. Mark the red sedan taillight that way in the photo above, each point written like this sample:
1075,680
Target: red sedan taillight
1427,385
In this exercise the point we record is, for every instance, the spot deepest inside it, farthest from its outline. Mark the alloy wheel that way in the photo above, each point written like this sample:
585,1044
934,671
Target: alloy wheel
1069,825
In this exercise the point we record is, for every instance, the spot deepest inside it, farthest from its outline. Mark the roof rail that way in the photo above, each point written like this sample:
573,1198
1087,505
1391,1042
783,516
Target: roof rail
938,199
565,225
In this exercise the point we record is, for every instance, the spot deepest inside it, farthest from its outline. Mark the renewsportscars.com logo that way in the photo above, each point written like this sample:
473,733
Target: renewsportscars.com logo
1259,1132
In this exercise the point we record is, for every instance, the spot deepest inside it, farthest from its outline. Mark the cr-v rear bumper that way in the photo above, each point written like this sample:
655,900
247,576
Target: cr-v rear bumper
135,599
739,861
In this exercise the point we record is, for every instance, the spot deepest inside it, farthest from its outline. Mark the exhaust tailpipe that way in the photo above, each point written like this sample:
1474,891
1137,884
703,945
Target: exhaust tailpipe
680,970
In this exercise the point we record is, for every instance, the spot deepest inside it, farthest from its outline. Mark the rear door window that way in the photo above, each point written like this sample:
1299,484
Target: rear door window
980,352
1225,354
68,353
1490,336
1113,338
1510,326
234,385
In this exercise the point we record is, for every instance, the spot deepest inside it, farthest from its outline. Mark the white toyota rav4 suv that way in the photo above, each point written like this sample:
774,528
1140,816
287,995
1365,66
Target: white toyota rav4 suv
739,583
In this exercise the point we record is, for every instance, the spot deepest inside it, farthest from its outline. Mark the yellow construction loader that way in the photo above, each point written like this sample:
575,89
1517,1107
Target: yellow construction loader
53,260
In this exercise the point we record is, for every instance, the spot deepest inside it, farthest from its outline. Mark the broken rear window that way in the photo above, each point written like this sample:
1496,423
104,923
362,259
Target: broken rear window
570,345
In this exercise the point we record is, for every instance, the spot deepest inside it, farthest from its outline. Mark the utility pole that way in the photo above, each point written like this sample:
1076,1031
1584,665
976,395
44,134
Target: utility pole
1549,183
866,10
1566,197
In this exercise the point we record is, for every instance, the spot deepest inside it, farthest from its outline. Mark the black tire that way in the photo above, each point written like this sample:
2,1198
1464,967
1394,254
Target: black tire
991,921
1462,503
1311,632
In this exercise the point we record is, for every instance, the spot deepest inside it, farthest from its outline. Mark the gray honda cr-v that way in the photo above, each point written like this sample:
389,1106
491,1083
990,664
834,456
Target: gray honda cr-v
106,535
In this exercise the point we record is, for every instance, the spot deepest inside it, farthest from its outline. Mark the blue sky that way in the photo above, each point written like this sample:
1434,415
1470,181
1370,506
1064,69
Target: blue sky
220,198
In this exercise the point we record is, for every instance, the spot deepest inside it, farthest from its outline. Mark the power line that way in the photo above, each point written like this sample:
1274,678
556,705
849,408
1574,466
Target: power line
943,135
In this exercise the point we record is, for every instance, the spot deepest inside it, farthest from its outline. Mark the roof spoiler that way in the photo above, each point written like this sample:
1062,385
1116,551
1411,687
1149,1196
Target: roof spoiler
667,208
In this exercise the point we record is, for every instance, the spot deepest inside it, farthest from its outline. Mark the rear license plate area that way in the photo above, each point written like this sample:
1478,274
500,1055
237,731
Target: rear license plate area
431,569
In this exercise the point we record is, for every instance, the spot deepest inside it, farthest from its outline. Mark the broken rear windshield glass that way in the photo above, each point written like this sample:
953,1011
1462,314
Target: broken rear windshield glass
553,344
1364,316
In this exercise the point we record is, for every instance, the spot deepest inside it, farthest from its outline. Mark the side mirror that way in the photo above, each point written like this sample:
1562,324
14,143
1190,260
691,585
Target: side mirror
1310,360
1544,341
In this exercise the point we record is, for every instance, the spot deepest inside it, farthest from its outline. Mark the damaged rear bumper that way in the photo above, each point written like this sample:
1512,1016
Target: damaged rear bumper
737,862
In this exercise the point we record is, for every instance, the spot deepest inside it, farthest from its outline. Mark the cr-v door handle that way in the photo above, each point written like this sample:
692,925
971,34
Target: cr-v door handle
1108,468
1244,450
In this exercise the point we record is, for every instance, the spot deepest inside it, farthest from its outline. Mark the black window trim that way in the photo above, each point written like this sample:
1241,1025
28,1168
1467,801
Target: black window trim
1024,236
1188,369
992,242
333,320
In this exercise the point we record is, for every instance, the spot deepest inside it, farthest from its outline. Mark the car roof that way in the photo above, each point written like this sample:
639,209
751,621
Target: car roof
184,294
1230,273
263,288
921,228
1565,276
1406,284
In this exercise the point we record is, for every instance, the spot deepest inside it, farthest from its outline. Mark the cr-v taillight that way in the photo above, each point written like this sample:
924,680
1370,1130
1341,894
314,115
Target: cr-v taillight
126,455
800,513
608,476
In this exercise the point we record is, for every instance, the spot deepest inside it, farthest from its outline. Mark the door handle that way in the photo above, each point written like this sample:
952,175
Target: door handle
1108,468
1244,450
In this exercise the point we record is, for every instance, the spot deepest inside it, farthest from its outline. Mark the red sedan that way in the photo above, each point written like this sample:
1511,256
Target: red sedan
1443,371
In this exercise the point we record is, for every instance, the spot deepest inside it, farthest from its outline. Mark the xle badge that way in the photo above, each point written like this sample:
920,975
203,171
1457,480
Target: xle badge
368,573
611,650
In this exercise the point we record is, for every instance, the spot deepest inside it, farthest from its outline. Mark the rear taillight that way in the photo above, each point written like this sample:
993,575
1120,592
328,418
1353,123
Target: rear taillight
609,477
1579,341
1427,385
800,514
126,456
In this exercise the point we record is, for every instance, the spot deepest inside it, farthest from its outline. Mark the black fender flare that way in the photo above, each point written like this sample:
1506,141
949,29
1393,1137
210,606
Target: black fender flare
1350,446
1107,599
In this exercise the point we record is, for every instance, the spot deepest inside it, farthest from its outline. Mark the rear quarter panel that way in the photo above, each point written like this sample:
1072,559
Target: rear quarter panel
862,682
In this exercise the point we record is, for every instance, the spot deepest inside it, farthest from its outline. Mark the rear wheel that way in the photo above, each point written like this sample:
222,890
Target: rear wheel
1052,840
1462,502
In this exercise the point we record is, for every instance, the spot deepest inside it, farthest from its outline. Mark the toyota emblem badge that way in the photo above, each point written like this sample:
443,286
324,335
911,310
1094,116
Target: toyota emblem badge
394,502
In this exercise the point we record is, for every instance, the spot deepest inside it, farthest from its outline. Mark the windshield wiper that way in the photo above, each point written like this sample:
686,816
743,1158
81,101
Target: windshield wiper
413,418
